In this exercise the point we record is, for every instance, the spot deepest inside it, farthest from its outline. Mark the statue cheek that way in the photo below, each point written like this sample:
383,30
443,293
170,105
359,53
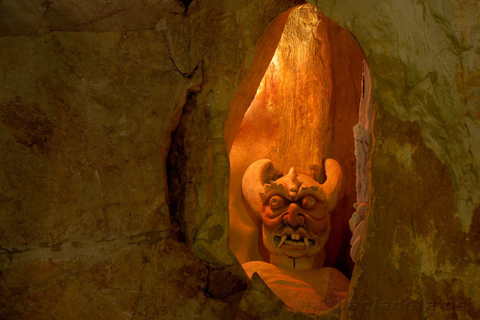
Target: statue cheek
272,225
317,227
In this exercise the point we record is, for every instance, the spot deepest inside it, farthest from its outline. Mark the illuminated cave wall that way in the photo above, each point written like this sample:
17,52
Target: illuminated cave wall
98,97
303,112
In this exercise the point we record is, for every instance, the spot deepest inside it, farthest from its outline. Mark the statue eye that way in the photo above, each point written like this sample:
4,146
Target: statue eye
276,202
308,202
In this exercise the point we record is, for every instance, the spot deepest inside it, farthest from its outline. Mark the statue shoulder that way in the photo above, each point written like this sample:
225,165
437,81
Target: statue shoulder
334,276
259,267
333,272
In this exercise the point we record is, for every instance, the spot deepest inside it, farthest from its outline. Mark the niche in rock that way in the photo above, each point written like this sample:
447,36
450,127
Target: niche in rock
296,108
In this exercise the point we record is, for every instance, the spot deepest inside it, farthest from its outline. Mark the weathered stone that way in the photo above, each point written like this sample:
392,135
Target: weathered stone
40,17
206,230
423,152
259,300
417,251
86,125
224,282
82,116
411,62
108,279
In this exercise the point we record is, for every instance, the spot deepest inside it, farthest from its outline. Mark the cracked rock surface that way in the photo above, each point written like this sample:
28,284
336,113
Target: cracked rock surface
91,93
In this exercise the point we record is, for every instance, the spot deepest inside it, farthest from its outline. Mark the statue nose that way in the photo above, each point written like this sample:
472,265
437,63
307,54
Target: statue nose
293,216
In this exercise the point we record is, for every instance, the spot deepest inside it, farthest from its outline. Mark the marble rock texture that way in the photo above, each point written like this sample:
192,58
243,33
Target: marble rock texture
114,168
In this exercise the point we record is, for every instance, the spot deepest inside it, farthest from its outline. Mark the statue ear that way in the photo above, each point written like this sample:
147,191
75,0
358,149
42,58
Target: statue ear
332,188
253,183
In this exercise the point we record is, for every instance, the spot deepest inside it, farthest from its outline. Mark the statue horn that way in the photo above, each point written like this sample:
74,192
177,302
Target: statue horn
253,182
333,185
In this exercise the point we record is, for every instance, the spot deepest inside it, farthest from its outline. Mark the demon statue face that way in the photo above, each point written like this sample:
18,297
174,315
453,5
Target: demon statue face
294,210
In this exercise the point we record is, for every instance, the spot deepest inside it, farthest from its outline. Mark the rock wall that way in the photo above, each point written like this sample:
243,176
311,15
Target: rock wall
91,94
422,234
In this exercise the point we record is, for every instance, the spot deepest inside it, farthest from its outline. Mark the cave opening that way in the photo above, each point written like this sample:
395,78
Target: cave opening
297,107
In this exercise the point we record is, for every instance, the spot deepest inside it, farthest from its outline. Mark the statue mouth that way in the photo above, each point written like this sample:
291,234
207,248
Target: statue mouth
295,240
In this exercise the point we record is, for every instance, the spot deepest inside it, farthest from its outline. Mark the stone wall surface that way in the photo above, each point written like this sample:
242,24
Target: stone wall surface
422,234
92,95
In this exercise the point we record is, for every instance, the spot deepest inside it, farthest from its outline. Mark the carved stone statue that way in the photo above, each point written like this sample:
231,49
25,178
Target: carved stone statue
295,215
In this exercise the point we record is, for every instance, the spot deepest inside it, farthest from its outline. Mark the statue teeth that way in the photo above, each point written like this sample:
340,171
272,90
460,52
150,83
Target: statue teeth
284,237
294,240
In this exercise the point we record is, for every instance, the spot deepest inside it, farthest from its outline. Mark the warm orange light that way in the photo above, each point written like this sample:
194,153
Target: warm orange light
303,111
290,114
